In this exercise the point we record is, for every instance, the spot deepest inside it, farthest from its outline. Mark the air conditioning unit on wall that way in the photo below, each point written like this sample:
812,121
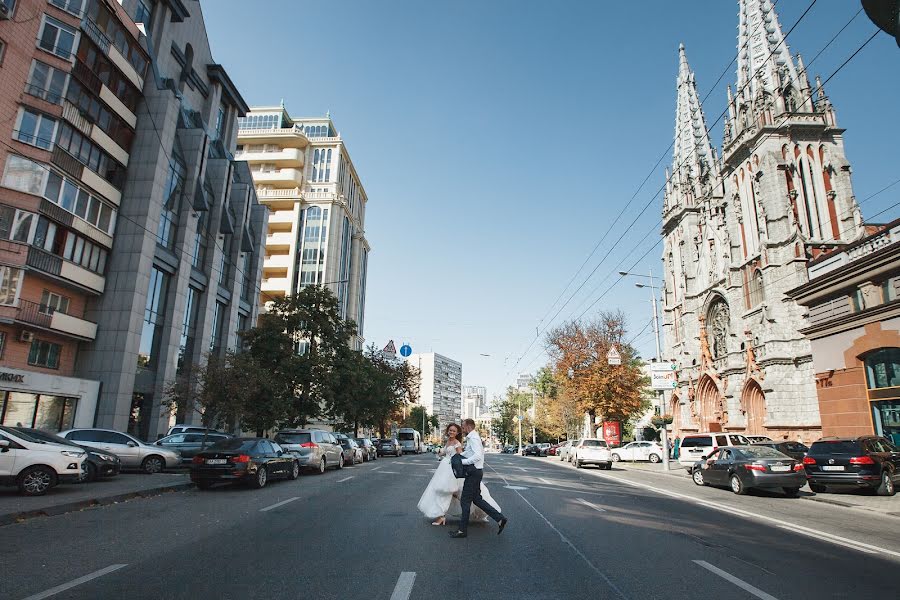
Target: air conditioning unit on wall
26,336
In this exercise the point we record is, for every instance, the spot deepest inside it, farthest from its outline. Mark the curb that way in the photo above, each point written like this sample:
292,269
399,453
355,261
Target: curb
61,509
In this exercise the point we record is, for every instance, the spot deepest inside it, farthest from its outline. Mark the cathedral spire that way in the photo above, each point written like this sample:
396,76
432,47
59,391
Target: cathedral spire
762,49
692,157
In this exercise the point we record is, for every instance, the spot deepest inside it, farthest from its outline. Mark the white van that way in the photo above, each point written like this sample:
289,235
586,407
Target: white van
410,440
695,446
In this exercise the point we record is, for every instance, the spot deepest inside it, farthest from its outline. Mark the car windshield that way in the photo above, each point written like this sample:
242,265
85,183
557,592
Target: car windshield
407,436
594,443
835,447
759,452
234,445
293,438
693,442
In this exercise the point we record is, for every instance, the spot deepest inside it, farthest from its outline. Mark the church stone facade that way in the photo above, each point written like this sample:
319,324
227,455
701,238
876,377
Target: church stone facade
739,228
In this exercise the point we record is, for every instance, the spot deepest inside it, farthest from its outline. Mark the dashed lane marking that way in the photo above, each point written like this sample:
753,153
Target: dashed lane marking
277,504
738,582
345,479
404,585
590,505
75,582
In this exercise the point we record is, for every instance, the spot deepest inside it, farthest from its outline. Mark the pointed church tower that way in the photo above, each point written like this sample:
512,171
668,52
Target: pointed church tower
744,366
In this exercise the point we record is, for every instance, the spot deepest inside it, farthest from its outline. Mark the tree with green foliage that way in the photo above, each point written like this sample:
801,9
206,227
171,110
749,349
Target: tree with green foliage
414,420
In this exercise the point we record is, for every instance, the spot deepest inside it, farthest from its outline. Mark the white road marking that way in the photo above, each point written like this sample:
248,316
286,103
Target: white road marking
515,487
345,479
277,504
731,510
590,504
542,480
391,472
738,582
404,585
375,468
75,582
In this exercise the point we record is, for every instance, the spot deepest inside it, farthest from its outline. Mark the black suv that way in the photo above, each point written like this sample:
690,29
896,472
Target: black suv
870,462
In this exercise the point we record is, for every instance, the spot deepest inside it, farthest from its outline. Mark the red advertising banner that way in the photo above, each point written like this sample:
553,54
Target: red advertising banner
612,432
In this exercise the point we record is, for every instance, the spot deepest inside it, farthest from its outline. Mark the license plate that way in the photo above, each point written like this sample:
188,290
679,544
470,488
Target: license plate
780,469
216,461
832,467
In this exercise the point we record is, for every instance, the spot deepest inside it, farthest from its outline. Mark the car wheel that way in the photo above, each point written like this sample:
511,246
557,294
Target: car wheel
616,458
262,476
295,471
35,481
153,464
90,472
791,492
577,463
697,476
818,489
204,485
322,466
340,464
737,486
887,485
609,466
654,458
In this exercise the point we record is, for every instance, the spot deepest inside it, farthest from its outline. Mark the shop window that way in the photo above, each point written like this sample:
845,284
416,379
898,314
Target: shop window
19,408
883,368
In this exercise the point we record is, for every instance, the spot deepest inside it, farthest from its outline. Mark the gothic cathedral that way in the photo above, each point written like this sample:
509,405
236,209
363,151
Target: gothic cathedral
739,229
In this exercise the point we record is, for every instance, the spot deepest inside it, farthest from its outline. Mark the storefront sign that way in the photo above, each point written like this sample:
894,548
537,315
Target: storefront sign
12,377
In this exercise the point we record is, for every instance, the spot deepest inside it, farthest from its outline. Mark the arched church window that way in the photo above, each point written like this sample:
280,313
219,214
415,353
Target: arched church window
719,319
757,292
790,99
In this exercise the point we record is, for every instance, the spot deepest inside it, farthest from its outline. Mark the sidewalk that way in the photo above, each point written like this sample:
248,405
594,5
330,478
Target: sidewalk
68,498
849,498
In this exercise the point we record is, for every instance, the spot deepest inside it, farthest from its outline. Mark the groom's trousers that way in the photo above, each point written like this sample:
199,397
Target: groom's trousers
471,494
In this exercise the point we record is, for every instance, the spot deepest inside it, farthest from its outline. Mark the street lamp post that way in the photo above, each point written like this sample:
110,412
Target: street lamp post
661,394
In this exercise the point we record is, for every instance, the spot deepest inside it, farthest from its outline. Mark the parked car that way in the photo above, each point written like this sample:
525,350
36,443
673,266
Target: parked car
760,439
248,460
795,450
565,451
314,448
743,468
551,451
532,450
870,462
352,453
35,466
638,451
389,446
96,463
189,444
508,450
543,449
182,428
696,446
592,451
368,449
134,453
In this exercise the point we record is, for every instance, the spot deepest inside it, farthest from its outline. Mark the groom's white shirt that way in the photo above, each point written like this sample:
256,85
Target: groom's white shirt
474,452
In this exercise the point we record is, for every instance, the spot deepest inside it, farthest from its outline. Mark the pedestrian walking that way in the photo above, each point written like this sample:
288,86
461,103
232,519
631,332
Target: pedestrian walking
473,459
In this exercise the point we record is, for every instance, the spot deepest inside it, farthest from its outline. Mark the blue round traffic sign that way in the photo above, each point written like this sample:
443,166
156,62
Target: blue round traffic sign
405,350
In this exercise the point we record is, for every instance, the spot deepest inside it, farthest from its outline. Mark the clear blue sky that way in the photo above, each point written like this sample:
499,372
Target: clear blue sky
498,140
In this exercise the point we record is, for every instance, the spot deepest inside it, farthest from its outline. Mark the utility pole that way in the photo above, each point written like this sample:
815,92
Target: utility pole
521,452
533,416
661,394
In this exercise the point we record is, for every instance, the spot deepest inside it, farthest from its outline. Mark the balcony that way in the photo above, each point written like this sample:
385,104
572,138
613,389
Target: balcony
277,261
38,315
288,137
279,239
279,177
66,271
281,217
286,157
279,193
274,285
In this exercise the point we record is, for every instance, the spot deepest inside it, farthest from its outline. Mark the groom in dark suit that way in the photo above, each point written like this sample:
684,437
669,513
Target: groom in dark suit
473,459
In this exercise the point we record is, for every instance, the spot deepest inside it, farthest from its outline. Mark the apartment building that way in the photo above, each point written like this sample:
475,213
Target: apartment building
131,238
440,386
316,232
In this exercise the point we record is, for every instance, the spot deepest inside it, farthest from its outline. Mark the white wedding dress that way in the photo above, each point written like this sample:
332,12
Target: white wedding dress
438,498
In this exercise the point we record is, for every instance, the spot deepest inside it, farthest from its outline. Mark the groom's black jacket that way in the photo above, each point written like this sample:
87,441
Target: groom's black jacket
459,469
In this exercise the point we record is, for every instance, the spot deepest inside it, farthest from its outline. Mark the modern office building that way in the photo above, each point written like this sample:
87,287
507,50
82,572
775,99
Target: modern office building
474,401
440,387
316,231
132,239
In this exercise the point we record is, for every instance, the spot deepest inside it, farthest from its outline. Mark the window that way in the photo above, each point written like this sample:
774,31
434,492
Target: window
24,175
67,194
16,225
215,337
10,282
90,155
95,65
57,38
188,326
46,82
220,122
200,243
97,112
756,293
138,10
154,312
321,165
44,354
272,121
73,6
51,303
35,128
2,342
883,368
168,219
225,261
247,273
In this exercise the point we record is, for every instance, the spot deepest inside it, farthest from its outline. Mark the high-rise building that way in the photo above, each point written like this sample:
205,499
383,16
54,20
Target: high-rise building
739,231
440,387
115,138
474,401
316,232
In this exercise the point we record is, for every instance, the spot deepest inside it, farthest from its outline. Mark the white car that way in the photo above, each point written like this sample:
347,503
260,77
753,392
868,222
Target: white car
695,446
36,466
592,451
564,452
638,451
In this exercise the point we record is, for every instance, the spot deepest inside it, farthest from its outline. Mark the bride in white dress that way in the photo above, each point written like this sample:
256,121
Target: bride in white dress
441,496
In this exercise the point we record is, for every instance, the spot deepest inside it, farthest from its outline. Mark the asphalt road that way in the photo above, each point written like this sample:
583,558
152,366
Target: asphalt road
356,533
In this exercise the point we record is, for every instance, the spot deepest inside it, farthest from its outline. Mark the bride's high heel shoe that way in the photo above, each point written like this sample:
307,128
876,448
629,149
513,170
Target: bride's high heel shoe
438,522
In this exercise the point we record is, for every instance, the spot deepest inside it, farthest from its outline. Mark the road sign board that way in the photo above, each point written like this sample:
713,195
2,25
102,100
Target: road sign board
521,417
613,357
405,350
390,348
663,366
663,379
